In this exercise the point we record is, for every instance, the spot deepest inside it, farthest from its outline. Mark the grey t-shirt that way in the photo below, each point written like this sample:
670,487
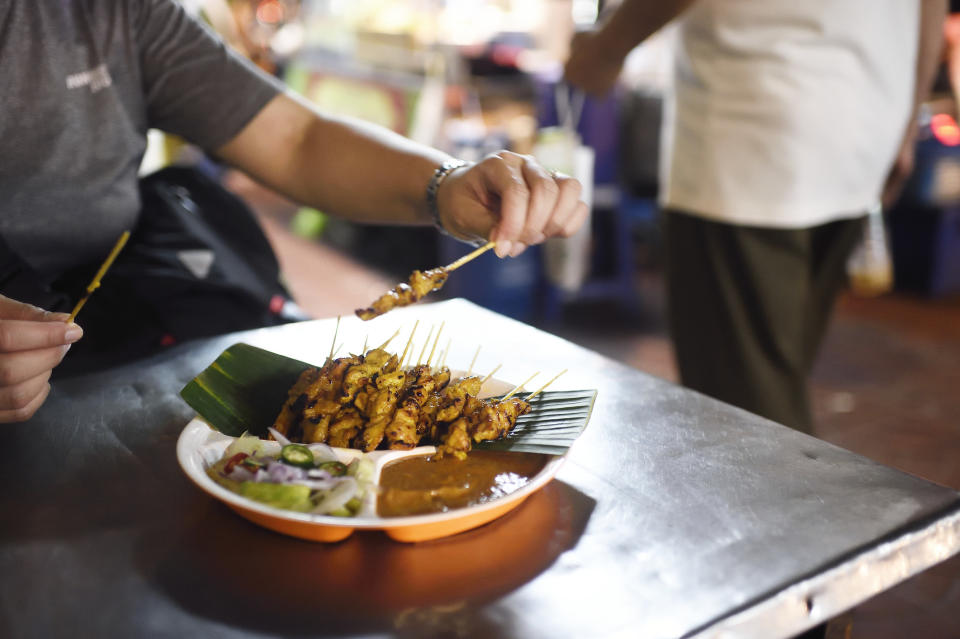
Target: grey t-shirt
80,84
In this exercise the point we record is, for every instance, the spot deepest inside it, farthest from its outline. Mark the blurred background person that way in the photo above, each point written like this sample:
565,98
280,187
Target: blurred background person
789,122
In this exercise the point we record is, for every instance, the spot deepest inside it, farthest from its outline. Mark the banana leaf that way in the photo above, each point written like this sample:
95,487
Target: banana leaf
243,390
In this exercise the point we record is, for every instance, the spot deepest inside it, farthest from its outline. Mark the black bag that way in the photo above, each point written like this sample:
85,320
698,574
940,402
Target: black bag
196,265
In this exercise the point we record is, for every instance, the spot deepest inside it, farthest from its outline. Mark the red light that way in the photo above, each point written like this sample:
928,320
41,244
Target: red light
945,129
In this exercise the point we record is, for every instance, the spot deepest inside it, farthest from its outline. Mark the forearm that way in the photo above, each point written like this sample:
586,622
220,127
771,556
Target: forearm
635,20
932,15
346,167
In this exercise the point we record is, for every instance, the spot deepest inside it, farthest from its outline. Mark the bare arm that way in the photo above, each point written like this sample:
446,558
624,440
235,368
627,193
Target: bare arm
932,15
369,174
597,56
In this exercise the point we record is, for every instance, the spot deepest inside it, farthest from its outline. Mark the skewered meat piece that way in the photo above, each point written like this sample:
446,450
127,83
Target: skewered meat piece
402,432
442,377
427,420
495,419
454,437
374,431
315,429
345,427
455,395
420,284
481,421
296,399
456,441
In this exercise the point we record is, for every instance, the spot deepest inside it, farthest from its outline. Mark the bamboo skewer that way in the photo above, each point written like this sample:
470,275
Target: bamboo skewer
435,340
473,361
95,283
521,385
446,351
409,341
333,343
452,266
552,380
490,374
423,351
366,338
384,345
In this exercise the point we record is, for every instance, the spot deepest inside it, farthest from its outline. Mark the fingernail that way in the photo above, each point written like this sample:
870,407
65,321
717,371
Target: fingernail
73,333
503,247
518,248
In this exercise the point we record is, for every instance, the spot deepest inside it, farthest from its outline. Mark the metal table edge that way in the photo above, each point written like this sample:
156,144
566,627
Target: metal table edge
856,578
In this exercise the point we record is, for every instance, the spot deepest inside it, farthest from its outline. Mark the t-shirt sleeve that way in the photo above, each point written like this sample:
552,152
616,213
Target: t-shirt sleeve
195,86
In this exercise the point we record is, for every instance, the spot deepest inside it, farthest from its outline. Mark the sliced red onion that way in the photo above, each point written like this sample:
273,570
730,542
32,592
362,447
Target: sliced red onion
316,473
283,473
322,453
277,435
337,498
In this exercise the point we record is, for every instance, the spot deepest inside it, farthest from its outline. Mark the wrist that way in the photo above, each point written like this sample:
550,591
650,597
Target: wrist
437,180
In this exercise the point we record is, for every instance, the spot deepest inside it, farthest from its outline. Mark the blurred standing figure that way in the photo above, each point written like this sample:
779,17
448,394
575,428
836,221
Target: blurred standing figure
790,120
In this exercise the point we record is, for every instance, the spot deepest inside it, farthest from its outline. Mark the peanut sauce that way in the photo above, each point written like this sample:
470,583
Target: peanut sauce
424,484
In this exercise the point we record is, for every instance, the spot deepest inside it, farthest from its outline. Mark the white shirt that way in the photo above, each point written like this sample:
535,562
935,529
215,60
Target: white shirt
788,113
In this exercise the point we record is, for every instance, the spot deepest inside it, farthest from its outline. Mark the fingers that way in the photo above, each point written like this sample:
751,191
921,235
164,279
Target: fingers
547,206
544,194
504,177
570,212
20,401
32,343
14,310
23,335
25,411
512,200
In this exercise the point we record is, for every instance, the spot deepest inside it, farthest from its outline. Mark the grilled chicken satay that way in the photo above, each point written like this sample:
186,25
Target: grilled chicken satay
402,432
358,376
379,409
455,438
455,396
321,404
442,377
346,425
427,420
420,284
495,419
296,399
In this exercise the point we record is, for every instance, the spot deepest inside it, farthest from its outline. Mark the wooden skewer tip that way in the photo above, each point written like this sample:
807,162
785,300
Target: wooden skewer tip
409,341
423,351
490,374
474,360
519,386
552,380
434,347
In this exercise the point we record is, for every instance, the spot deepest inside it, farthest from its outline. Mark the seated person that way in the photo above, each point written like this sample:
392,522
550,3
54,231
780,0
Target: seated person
85,81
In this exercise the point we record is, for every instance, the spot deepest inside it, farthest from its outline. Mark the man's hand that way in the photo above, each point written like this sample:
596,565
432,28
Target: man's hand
902,167
592,66
512,200
32,343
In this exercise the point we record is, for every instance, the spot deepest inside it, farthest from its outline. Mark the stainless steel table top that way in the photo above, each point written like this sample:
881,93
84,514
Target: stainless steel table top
674,516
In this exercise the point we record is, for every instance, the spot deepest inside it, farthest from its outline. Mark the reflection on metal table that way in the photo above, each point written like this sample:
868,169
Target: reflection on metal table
673,516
